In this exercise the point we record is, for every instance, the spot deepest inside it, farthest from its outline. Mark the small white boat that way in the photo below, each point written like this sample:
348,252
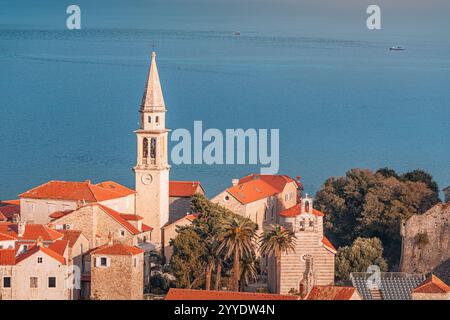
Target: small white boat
397,48
237,33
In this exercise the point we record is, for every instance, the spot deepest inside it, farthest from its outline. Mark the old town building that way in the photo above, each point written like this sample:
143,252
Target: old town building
117,272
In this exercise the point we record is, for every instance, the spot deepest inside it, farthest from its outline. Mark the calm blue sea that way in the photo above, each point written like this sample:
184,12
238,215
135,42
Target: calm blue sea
69,99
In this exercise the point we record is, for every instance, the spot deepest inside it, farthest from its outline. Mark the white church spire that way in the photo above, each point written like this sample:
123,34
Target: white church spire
153,96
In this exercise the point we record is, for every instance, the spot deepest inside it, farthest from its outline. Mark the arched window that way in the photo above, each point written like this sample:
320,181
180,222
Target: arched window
306,206
153,148
145,147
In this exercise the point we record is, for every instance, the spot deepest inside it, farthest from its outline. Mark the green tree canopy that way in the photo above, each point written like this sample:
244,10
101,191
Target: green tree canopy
367,204
363,253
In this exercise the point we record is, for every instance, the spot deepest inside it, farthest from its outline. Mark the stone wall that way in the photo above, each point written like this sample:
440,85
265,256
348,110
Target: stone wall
426,242
121,280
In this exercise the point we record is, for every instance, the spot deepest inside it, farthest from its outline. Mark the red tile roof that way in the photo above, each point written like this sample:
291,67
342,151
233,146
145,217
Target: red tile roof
146,228
295,211
8,211
183,188
118,217
117,249
328,244
47,251
258,186
15,202
131,217
59,246
7,257
71,236
5,237
32,232
113,214
331,293
59,214
190,294
432,285
78,191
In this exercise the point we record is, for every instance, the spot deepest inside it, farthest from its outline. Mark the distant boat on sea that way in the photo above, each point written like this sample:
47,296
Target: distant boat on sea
237,33
397,48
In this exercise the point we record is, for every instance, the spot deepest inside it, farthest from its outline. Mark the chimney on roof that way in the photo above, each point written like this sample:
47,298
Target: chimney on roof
110,239
88,181
21,225
15,218
234,182
40,241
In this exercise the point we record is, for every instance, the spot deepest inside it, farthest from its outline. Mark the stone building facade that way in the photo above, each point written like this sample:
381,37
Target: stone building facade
180,196
37,204
312,263
98,223
426,242
261,198
117,272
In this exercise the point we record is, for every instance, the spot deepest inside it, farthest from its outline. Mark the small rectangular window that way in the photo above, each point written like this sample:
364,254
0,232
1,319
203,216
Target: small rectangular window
157,119
39,260
33,282
52,282
103,262
149,119
6,282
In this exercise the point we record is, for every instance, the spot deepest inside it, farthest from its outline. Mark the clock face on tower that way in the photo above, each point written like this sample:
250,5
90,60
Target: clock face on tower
147,178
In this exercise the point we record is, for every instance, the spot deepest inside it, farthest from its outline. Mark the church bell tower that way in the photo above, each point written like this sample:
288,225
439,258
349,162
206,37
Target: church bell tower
152,168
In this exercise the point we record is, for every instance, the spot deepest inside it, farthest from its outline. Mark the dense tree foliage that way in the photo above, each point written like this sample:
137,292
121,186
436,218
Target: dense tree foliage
217,243
363,253
367,204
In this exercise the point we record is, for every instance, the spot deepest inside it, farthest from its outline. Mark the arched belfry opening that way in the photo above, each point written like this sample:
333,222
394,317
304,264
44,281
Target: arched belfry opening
153,148
145,147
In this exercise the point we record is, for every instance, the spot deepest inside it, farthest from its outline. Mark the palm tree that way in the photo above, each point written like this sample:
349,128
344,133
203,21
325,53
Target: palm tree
237,240
274,241
248,270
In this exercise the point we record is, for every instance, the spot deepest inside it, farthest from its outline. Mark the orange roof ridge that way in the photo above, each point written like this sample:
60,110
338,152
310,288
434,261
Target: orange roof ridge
117,216
78,191
192,294
183,188
328,244
45,250
117,249
432,285
325,292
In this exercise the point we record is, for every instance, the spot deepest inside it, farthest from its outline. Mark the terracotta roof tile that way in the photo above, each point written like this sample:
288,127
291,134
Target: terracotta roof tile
117,249
295,211
60,214
190,294
328,244
258,186
432,285
7,257
59,246
118,217
32,232
331,293
8,211
77,191
15,202
71,236
146,228
131,217
183,188
5,237
35,249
